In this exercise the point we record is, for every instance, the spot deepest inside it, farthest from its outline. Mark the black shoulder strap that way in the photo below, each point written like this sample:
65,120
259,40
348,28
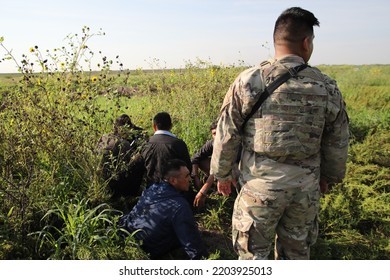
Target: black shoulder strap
292,72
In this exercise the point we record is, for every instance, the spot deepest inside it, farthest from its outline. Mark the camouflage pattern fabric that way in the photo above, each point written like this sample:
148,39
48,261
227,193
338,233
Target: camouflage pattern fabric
298,136
116,155
121,164
260,211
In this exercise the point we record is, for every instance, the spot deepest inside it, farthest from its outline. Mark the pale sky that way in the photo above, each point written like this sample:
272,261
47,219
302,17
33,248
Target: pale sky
177,31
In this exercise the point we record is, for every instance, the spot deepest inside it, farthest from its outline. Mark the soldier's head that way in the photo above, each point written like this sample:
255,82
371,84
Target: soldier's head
162,121
293,33
176,173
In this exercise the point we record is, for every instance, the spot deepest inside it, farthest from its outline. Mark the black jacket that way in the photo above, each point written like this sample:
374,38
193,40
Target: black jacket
204,153
160,149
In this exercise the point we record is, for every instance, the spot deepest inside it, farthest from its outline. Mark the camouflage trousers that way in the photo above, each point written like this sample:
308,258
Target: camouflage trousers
267,215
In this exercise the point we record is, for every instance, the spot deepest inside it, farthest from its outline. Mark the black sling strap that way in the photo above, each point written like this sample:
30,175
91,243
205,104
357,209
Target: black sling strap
292,72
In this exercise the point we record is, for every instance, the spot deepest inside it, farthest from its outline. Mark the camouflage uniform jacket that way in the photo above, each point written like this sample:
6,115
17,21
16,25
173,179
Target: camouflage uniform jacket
121,162
116,154
302,125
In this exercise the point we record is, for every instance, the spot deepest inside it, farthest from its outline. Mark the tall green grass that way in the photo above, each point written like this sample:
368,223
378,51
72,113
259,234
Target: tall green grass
53,203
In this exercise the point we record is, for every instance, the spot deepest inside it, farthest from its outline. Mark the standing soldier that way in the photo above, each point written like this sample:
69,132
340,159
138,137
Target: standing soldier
294,145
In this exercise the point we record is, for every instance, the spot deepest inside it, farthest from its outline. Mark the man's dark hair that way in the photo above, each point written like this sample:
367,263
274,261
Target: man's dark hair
294,24
213,125
121,121
163,121
172,168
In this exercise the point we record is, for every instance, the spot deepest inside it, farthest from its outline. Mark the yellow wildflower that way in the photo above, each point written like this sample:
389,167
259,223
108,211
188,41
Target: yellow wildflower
94,78
32,49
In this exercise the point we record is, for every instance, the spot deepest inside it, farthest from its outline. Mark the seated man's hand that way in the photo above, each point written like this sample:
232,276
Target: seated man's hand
200,199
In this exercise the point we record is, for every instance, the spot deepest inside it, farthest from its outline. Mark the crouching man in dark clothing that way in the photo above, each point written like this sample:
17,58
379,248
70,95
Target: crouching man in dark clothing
122,166
163,216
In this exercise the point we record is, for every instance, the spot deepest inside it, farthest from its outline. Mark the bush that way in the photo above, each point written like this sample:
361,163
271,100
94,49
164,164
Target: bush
53,203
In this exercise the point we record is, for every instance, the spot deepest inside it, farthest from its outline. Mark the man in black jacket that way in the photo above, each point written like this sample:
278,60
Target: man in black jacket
163,146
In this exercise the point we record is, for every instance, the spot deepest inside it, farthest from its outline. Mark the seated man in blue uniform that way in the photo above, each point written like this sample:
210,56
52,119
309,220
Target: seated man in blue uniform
163,216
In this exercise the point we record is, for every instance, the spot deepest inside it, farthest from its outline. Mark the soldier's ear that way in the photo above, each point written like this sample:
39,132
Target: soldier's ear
307,48
306,43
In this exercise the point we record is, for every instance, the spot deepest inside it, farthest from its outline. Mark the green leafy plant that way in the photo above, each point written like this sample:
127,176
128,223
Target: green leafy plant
82,232
53,112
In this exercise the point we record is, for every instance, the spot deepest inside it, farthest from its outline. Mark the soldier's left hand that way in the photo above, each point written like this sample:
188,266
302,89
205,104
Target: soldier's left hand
224,187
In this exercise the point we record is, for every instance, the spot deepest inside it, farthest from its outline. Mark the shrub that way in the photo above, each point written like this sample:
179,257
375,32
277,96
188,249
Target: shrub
53,203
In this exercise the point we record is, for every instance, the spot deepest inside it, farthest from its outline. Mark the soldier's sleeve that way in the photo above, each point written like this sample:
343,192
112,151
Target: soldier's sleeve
334,144
238,102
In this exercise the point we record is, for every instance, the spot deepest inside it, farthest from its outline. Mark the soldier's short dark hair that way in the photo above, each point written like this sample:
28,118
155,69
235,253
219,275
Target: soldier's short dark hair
294,24
162,121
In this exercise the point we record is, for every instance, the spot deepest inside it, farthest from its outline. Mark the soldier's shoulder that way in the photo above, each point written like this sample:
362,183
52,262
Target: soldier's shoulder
251,76
318,74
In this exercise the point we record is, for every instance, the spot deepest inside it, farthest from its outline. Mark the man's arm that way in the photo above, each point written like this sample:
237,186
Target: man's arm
238,103
334,144
182,153
227,138
205,152
187,233
201,196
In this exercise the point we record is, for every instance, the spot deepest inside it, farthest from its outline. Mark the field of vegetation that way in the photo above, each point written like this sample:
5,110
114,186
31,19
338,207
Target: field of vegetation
54,205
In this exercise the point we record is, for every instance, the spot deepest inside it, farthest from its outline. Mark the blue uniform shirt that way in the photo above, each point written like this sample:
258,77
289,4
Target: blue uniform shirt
166,222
